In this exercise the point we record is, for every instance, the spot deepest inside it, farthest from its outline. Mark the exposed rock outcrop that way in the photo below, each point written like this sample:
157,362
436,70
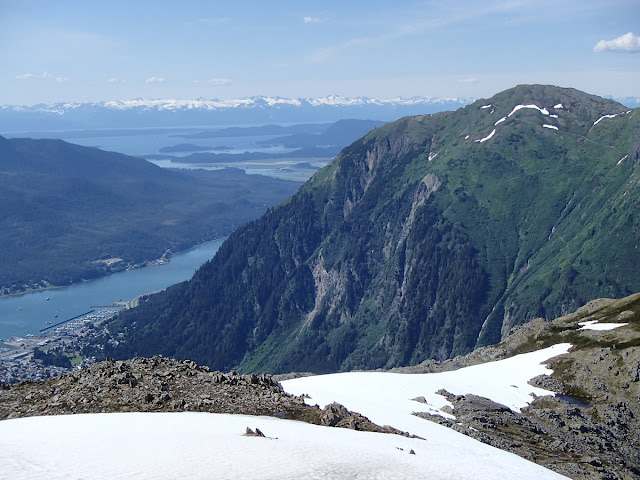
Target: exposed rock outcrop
161,384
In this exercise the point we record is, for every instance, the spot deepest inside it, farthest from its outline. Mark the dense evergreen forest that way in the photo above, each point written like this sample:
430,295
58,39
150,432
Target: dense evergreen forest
71,213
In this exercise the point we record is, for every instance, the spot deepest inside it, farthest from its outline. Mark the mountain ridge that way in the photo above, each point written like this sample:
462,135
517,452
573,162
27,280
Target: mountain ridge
244,102
141,113
426,238
70,201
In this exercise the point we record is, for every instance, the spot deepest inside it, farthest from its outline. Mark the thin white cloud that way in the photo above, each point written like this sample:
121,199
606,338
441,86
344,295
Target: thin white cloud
43,75
444,16
468,80
628,43
114,80
219,81
210,22
312,20
155,79
322,54
415,27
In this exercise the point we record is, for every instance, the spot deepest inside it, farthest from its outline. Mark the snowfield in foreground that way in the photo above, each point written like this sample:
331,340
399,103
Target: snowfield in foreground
206,446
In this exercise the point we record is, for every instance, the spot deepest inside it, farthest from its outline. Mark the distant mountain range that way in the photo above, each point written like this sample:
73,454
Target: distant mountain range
251,110
632,102
427,238
239,111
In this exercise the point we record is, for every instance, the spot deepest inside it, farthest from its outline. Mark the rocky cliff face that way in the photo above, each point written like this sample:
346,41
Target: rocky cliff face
427,238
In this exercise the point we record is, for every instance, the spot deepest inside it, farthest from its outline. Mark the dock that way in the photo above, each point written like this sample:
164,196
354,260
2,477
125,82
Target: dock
42,330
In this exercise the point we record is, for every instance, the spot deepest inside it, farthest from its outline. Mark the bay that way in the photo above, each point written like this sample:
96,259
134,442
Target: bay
28,313
140,142
149,141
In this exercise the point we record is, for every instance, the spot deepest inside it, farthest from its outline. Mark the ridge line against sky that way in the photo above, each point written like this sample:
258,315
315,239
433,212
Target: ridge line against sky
76,51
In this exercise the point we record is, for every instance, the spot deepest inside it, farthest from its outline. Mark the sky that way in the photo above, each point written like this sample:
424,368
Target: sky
89,51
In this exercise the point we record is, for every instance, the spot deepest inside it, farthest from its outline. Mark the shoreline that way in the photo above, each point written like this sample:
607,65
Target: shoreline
164,259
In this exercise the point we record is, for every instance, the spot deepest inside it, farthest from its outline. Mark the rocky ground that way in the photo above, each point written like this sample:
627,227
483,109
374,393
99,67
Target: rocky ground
161,384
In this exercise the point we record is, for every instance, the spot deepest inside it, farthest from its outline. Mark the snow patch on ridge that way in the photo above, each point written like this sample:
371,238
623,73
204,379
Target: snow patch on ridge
622,160
594,325
550,126
487,137
543,111
603,117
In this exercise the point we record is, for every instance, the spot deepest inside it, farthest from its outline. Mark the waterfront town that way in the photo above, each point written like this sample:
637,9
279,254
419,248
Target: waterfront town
28,357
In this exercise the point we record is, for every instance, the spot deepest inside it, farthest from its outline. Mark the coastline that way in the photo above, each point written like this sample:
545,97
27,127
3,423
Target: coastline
70,332
164,259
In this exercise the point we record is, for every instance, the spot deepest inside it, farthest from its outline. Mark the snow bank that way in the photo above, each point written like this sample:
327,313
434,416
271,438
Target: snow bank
550,126
194,446
386,397
594,325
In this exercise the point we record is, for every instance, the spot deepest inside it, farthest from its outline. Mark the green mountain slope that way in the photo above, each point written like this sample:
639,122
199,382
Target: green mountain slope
428,237
70,213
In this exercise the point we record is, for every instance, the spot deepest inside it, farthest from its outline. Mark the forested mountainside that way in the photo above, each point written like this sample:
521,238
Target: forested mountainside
70,213
426,238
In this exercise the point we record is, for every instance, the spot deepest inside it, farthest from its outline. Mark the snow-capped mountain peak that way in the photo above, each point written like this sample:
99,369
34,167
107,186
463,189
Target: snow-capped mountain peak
139,112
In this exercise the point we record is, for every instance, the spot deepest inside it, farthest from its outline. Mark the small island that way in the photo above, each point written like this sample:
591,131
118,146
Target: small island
190,147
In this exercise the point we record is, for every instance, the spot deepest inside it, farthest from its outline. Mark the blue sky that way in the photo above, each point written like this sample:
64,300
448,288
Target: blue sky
75,51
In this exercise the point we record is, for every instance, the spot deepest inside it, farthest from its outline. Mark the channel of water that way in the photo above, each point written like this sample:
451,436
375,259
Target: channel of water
31,312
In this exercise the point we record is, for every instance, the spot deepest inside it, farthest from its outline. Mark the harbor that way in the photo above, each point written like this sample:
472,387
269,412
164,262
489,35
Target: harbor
17,353
64,317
